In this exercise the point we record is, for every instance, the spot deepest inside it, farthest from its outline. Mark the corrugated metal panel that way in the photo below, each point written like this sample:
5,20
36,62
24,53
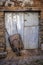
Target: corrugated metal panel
31,19
31,37
31,30
26,24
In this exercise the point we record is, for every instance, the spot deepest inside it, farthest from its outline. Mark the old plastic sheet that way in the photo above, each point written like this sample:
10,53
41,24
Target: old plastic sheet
10,23
20,24
14,23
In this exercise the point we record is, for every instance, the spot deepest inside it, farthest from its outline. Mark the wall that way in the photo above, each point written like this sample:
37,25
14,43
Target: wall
2,32
15,5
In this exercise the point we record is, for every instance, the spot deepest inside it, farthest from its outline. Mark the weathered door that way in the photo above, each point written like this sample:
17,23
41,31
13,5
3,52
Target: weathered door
31,29
26,24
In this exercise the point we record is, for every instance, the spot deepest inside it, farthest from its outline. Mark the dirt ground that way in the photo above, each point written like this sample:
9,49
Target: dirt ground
27,58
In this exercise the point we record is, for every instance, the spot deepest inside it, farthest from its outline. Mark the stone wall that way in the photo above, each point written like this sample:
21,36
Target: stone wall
20,5
2,32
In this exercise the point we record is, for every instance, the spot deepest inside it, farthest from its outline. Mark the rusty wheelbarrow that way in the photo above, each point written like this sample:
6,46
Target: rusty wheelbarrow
16,43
